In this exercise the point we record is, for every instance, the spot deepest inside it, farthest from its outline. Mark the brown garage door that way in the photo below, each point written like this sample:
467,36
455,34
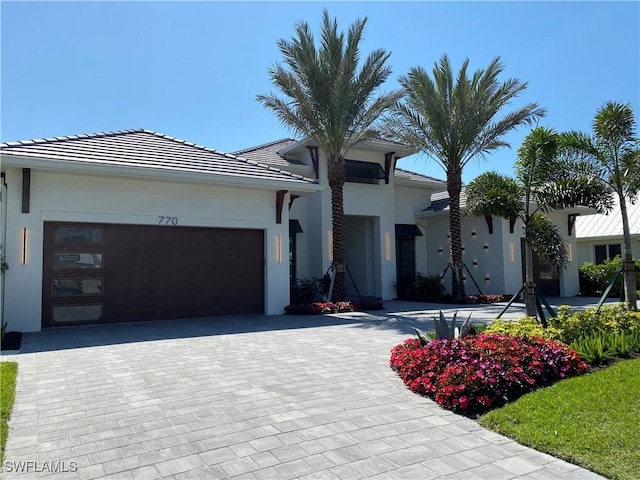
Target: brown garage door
100,273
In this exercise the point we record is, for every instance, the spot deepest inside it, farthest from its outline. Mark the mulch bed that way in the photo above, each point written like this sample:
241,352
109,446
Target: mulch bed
12,341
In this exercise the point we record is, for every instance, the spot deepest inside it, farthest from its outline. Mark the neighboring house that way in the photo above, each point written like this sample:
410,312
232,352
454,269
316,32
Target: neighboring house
493,250
134,225
385,246
600,236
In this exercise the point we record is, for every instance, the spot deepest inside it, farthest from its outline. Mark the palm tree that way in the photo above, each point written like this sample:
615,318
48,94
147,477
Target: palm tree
613,157
542,183
330,99
454,122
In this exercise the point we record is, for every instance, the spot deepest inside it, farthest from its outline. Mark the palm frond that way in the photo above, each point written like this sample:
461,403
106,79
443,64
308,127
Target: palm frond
546,241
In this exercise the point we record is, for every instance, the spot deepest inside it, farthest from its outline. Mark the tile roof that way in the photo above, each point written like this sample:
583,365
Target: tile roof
610,225
440,201
269,153
417,177
146,149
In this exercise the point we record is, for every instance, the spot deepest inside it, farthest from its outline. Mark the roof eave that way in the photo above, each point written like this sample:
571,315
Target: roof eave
297,185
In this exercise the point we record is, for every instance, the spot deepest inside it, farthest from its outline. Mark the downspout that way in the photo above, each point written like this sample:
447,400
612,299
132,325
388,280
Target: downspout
3,238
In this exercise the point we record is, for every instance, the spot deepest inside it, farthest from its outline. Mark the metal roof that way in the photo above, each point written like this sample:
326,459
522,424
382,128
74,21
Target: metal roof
146,150
610,225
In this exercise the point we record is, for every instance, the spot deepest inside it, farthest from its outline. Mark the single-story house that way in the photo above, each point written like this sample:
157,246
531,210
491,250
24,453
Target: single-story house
600,236
134,225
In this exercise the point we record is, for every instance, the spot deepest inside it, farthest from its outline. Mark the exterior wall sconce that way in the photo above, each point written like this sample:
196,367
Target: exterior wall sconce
570,252
475,263
23,246
487,279
486,246
512,252
387,246
278,248
463,250
330,243
440,250
473,233
448,235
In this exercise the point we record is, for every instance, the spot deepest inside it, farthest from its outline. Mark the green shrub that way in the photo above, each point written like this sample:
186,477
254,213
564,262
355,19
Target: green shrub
426,286
525,326
603,346
303,290
594,279
575,325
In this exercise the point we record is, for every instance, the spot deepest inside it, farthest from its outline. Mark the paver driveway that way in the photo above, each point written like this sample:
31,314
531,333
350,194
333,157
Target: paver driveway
245,397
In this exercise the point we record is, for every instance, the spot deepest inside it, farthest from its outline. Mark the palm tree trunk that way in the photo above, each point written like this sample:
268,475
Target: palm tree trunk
529,284
454,186
628,265
336,182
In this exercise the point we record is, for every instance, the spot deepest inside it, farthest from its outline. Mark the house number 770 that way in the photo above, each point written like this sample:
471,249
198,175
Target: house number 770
168,220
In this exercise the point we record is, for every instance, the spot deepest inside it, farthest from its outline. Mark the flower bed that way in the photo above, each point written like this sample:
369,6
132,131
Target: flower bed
318,308
477,373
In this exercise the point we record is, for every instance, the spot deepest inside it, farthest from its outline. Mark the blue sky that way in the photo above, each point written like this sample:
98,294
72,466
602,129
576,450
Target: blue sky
192,70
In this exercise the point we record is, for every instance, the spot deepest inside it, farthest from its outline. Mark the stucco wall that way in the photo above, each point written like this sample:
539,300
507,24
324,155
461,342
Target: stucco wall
104,199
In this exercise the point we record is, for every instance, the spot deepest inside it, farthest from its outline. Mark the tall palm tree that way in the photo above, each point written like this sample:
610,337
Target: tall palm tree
332,98
542,183
455,121
613,157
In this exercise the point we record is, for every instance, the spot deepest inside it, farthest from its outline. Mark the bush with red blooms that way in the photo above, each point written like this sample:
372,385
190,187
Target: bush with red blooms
317,308
476,373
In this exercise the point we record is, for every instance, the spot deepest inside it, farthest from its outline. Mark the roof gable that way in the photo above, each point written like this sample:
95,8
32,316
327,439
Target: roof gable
146,149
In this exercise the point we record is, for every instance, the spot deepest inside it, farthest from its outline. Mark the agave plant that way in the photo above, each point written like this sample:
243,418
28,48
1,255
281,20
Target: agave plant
446,330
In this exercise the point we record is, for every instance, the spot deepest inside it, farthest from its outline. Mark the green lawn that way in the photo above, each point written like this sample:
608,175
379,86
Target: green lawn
8,374
592,421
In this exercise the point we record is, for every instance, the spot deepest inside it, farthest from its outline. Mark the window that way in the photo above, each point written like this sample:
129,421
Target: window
77,260
363,172
603,252
78,235
294,228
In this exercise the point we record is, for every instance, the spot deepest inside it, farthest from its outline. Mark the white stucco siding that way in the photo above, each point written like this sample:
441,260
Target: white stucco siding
104,199
489,261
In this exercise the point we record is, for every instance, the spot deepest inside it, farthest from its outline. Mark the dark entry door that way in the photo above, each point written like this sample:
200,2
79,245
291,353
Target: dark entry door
542,275
406,264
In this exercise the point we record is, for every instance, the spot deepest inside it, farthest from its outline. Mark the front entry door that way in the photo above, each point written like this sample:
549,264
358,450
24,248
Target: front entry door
406,264
542,275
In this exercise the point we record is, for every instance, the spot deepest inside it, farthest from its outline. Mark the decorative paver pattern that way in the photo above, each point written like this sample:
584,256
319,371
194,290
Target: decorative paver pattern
246,398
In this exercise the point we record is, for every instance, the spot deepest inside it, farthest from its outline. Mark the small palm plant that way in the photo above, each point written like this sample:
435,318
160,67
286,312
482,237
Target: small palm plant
445,330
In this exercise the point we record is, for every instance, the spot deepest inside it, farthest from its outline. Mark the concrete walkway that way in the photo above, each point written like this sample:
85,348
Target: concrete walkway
247,397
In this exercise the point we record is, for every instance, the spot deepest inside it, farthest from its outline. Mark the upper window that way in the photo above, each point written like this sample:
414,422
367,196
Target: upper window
363,172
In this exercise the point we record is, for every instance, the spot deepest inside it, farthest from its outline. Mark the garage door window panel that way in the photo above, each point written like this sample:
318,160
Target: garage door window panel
78,235
76,286
73,260
76,313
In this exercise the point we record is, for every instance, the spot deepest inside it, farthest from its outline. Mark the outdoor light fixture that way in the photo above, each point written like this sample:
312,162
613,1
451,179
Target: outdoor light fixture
440,250
278,248
486,246
387,245
487,278
570,252
512,252
473,233
475,263
23,245
330,242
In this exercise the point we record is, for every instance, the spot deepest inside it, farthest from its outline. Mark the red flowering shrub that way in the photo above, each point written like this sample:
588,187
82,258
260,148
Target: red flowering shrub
476,373
317,308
